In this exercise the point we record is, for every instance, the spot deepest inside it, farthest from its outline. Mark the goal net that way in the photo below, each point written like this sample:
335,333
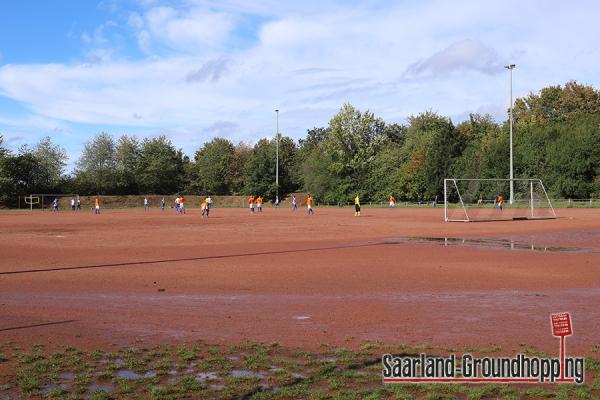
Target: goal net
489,200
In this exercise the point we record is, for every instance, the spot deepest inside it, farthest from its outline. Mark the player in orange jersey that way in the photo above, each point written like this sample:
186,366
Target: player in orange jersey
309,205
251,204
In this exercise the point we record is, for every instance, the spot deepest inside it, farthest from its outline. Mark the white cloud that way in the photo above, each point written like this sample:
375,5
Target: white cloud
235,62
191,30
463,55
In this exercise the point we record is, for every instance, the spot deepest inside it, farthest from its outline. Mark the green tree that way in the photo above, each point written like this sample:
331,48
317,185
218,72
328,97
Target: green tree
26,173
317,179
237,168
53,160
431,147
7,189
127,153
566,156
260,168
212,164
395,133
314,138
96,170
160,167
484,155
352,140
557,104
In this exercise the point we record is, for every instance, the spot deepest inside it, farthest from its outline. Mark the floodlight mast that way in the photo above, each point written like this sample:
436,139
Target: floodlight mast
510,68
277,155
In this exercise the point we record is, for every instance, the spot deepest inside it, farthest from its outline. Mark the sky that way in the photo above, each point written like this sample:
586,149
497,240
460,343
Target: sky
194,69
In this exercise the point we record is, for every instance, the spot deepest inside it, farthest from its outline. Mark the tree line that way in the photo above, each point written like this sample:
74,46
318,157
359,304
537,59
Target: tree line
556,139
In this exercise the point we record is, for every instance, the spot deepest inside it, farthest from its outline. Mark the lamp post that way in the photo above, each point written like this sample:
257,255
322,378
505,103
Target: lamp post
277,154
510,68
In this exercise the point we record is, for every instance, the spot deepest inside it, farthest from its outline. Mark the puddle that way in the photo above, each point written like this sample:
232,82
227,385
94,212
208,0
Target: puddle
207,376
67,375
490,243
96,387
217,387
129,374
328,359
244,373
51,387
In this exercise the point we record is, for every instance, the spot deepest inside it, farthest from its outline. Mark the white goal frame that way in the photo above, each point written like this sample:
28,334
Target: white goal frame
451,183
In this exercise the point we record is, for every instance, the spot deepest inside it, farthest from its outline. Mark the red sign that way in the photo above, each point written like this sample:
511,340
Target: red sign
561,324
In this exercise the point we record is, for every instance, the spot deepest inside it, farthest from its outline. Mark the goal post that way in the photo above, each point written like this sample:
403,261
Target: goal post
31,201
469,200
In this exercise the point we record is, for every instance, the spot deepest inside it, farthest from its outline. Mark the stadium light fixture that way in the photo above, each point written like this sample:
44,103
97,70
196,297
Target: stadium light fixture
510,68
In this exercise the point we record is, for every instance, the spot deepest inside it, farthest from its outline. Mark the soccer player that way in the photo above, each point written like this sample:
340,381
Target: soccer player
500,202
78,203
480,201
177,204
259,203
146,206
208,203
55,205
356,206
276,201
392,201
162,204
294,205
72,204
251,204
97,207
182,205
309,205
204,207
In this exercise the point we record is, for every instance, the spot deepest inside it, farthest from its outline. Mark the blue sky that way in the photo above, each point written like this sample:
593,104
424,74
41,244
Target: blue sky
194,69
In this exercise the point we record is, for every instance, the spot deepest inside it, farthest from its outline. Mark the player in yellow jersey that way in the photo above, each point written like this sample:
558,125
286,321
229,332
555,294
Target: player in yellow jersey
356,206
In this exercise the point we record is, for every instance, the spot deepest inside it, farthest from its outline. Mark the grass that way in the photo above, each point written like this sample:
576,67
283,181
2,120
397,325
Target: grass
272,371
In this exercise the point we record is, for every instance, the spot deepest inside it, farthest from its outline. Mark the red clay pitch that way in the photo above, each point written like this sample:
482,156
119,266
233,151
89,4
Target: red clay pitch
282,276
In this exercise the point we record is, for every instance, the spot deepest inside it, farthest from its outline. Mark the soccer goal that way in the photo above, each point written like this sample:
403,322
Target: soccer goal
467,200
45,200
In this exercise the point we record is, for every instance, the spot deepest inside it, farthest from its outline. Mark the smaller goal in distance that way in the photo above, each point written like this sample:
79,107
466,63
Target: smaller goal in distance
470,200
44,200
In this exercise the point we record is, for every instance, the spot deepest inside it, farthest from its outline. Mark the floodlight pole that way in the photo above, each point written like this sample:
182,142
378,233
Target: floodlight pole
277,155
510,68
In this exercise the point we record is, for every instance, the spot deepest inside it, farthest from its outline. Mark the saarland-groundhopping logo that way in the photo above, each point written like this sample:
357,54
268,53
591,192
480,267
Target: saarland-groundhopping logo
519,369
